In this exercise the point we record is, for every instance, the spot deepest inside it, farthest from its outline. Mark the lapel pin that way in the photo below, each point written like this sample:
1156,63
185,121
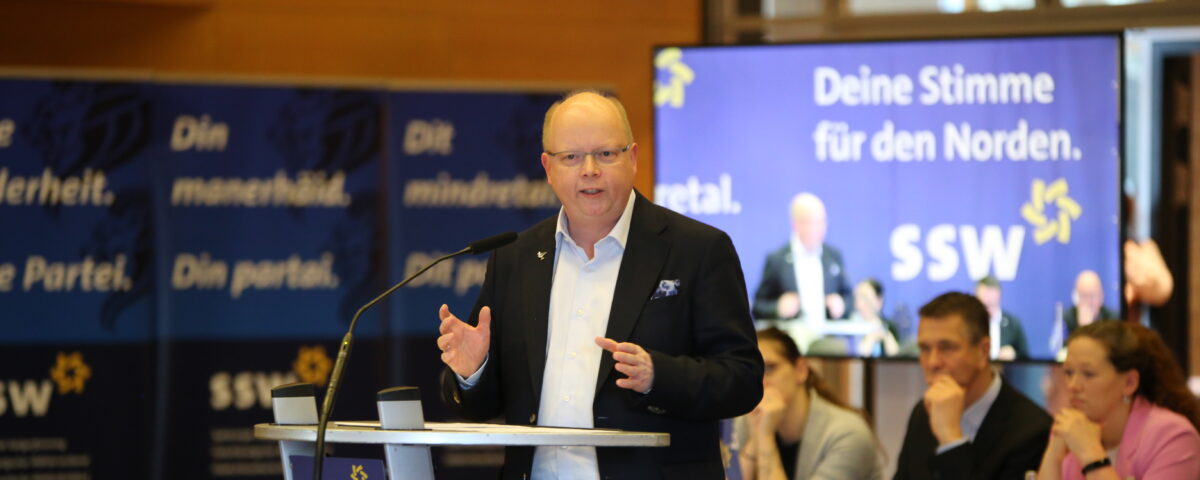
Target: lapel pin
541,255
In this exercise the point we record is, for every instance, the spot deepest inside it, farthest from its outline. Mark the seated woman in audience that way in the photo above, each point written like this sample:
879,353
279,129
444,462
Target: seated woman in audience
1130,415
800,430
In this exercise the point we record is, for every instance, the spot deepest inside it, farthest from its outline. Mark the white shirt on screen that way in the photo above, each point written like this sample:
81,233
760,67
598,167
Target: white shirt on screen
994,334
810,280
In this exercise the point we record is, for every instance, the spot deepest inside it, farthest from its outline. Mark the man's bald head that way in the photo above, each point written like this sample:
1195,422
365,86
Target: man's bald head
585,99
1089,292
808,220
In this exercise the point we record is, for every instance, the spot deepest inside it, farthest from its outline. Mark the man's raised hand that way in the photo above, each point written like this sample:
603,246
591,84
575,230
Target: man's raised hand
464,347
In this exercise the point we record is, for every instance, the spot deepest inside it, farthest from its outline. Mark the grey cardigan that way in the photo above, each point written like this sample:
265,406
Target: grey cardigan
837,444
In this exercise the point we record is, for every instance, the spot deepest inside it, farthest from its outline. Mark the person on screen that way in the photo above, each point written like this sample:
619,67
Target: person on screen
805,277
616,313
800,429
1131,414
970,422
1005,329
1088,297
868,308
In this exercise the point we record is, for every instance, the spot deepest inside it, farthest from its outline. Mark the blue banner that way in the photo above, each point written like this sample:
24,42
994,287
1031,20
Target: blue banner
271,210
75,258
178,250
464,166
267,207
76,283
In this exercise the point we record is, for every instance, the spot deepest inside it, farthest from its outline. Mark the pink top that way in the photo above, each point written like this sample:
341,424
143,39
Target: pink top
1158,444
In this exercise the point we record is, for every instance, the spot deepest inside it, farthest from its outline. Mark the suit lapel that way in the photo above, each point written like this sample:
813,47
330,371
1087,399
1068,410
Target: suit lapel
645,255
538,257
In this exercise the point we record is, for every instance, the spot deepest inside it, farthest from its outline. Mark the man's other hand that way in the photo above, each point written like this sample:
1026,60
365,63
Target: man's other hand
788,305
836,305
633,361
464,347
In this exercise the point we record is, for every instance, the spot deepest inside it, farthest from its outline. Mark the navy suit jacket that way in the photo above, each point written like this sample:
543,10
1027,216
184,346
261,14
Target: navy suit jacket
1071,318
779,277
1013,334
1010,441
701,340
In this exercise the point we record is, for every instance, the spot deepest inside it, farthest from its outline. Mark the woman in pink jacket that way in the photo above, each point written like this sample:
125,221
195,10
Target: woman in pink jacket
1131,414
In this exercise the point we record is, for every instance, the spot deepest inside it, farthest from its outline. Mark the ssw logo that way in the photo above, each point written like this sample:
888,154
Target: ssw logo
25,397
32,396
244,390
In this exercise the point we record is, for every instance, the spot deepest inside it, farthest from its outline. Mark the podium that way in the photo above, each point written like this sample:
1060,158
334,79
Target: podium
406,437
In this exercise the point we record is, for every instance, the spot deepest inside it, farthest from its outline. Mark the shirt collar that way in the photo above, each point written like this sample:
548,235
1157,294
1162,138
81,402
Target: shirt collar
619,232
973,415
798,249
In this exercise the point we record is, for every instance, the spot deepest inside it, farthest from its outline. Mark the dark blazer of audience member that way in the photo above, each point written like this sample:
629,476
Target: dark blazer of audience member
1088,297
1127,392
1012,344
801,430
970,424
778,293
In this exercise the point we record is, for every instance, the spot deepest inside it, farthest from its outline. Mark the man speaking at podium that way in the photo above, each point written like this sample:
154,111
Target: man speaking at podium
617,313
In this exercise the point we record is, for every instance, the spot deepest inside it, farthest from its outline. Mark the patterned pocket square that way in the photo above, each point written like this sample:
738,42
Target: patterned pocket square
666,288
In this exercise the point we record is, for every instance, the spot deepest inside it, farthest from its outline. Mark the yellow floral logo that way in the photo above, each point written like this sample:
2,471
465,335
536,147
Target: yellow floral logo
357,472
1054,226
681,75
70,373
312,365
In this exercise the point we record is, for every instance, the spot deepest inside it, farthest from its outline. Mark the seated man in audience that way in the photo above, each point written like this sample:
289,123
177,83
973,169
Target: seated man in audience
1005,330
970,424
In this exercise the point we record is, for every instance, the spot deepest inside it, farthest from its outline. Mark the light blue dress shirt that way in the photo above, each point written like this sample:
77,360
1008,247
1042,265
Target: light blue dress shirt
581,298
973,416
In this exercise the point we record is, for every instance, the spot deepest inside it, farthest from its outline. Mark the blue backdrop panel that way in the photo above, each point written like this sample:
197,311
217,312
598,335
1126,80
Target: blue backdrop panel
463,166
1020,182
76,390
177,250
74,200
271,216
271,209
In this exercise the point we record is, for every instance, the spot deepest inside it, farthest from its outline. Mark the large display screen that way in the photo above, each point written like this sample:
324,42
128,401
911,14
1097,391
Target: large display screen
860,180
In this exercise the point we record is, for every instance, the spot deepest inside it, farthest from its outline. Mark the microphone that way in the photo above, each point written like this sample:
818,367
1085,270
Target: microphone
491,243
335,378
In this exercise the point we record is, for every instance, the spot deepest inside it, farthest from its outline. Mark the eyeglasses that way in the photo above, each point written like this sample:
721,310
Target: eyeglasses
575,158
